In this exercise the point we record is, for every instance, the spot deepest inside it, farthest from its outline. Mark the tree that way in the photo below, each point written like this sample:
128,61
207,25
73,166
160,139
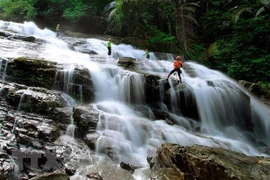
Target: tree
17,10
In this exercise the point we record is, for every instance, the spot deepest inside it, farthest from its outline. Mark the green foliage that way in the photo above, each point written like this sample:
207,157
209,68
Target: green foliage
76,10
242,39
151,21
50,8
80,9
198,53
17,10
265,88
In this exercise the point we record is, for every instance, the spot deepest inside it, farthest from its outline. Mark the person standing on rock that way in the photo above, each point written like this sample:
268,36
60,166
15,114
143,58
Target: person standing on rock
109,46
57,29
177,65
147,53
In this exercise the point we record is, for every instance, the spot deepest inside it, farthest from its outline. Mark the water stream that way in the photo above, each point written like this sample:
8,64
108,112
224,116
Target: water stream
132,136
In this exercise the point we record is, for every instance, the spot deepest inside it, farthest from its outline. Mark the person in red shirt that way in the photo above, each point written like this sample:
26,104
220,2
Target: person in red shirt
177,65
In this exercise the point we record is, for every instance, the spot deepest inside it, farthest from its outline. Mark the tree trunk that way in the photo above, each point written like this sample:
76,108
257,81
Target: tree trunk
180,24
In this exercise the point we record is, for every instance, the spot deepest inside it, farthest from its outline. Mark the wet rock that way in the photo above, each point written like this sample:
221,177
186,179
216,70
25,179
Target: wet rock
152,89
41,73
86,119
200,162
31,129
144,111
160,114
32,72
108,146
91,139
127,63
52,176
128,167
94,176
70,170
251,87
62,115
188,103
37,100
80,86
7,166
30,39
48,132
109,171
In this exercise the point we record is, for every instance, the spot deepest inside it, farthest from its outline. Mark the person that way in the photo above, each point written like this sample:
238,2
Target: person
57,30
109,45
177,65
147,53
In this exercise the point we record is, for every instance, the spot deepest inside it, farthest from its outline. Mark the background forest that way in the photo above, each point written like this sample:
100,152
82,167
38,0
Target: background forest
232,36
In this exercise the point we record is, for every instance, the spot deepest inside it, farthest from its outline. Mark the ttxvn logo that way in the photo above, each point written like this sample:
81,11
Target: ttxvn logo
45,160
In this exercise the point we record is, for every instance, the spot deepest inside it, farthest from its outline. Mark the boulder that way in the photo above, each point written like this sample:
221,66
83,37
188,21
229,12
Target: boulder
77,83
32,72
127,63
201,162
86,119
109,171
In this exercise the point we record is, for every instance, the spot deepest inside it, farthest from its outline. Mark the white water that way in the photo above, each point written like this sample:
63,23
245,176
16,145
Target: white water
132,136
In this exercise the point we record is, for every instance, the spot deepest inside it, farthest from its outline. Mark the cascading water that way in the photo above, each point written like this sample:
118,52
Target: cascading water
131,136
3,68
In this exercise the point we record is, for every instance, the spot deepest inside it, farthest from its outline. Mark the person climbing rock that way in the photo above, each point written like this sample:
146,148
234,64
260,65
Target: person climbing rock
177,65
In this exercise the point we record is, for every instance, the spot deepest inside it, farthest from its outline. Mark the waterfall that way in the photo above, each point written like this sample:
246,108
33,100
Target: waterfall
71,127
225,109
3,68
28,28
22,98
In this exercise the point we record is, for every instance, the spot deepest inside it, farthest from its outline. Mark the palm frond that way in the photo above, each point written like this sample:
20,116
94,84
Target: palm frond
192,19
237,15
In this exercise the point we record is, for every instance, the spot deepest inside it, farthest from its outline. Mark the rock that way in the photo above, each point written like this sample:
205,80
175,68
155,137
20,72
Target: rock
7,167
128,167
127,63
51,176
70,170
201,162
94,176
30,39
91,139
152,89
80,86
86,119
41,73
48,132
37,100
32,72
109,172
62,115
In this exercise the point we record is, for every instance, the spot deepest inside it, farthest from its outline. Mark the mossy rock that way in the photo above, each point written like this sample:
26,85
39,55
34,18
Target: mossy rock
32,72
30,39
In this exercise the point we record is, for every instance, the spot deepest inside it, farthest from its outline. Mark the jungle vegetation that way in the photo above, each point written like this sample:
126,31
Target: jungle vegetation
232,36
